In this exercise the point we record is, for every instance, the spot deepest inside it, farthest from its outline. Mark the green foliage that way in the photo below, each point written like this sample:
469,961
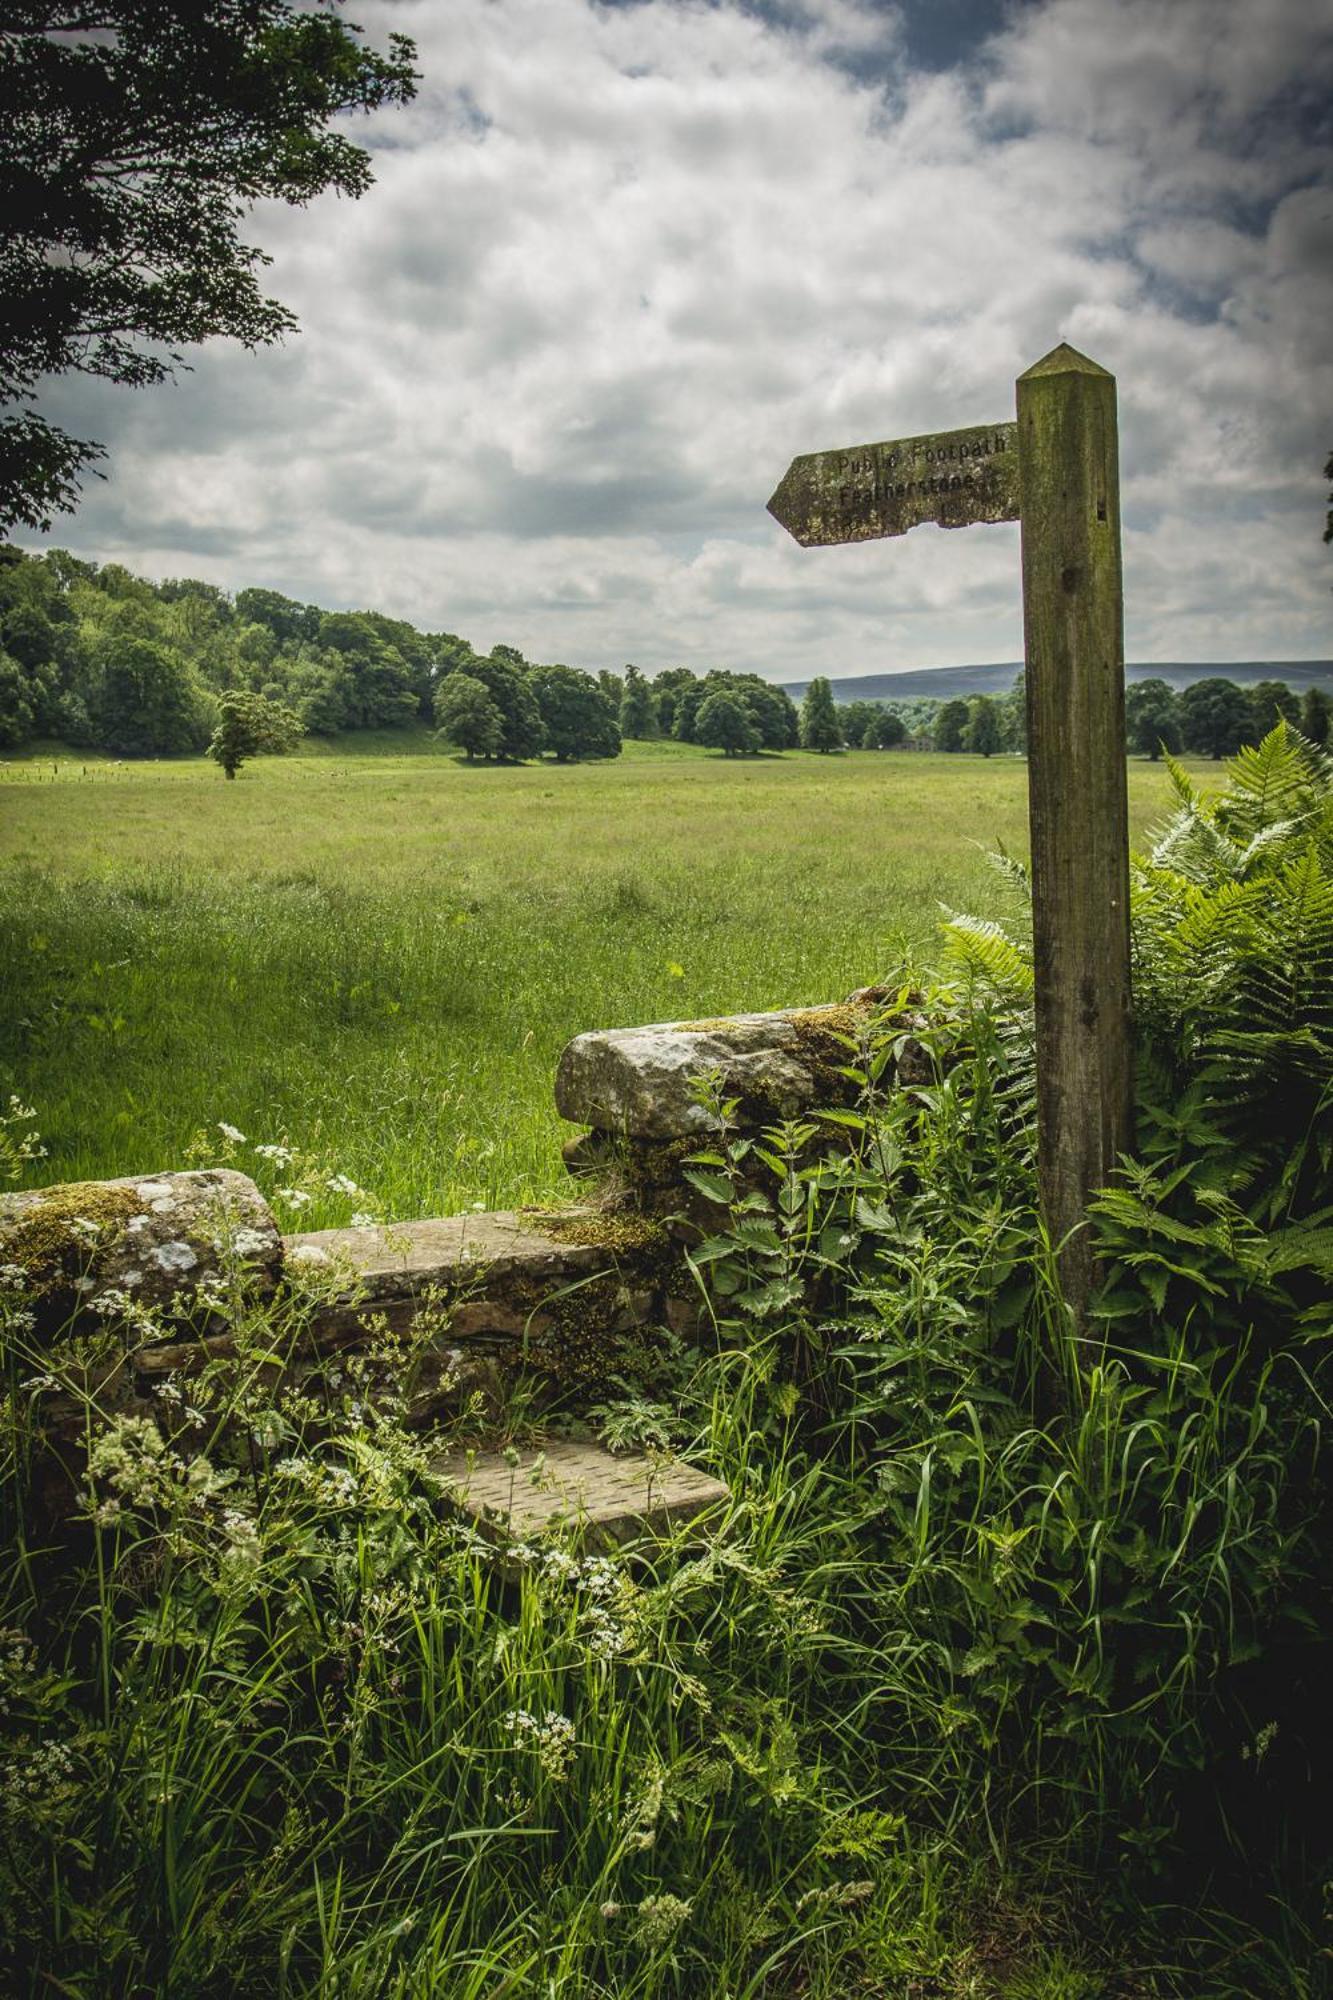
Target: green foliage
771,713
577,716
148,701
884,730
951,725
1152,718
1216,717
468,716
723,723
18,714
250,726
983,735
135,138
637,708
276,1722
820,728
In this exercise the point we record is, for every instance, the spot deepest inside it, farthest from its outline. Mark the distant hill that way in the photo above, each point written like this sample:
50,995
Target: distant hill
943,683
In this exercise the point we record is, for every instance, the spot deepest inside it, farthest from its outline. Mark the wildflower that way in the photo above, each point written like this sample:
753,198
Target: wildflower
13,1277
295,1197
307,1253
659,1919
230,1132
280,1156
363,1220
341,1184
552,1739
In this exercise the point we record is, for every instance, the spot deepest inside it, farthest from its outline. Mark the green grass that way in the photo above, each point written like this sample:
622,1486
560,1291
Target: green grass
381,953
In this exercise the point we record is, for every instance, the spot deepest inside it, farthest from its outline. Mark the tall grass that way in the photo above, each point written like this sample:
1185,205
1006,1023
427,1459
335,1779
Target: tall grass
383,955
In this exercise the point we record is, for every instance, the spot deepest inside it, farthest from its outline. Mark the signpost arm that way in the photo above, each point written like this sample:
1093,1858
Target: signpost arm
1074,643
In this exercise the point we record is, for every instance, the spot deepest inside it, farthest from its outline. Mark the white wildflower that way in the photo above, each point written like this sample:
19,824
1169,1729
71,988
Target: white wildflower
307,1253
281,1156
551,1739
230,1132
294,1197
363,1220
342,1184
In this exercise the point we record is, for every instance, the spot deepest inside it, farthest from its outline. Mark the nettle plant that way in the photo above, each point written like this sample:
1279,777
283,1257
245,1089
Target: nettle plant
1071,1614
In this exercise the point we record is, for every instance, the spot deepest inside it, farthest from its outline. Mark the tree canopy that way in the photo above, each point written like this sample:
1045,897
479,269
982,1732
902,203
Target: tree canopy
134,136
820,728
249,726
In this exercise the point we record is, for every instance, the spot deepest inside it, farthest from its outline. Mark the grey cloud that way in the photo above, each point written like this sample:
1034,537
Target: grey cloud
621,263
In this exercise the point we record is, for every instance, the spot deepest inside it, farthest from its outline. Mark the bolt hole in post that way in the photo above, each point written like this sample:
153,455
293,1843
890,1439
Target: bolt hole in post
1056,471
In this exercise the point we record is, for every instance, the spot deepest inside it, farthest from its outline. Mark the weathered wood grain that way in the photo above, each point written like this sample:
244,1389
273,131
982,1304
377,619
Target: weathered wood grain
1078,808
953,478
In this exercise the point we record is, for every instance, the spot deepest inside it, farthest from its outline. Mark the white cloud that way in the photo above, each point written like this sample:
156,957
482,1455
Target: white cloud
621,263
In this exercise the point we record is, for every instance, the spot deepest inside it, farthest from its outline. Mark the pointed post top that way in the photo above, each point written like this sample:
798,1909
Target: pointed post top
1063,360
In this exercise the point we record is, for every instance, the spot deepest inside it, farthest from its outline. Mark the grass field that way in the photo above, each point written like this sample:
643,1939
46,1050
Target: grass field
380,953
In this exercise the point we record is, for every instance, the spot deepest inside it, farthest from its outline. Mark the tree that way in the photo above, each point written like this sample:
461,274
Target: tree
638,708
772,711
1315,711
1013,709
468,715
17,721
982,735
950,723
668,687
249,726
724,723
522,734
820,727
1216,717
1152,718
1269,701
885,730
577,716
135,135
381,692
148,702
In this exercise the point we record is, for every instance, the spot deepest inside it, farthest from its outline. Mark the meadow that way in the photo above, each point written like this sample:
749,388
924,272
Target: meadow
958,1699
378,953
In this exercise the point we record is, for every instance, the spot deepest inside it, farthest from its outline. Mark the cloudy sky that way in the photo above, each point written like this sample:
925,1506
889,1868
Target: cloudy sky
623,261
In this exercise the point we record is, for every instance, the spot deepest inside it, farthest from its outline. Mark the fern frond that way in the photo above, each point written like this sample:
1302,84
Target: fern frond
985,955
1268,782
1015,872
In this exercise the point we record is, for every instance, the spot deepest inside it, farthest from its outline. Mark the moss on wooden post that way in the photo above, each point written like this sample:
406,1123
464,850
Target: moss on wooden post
1073,618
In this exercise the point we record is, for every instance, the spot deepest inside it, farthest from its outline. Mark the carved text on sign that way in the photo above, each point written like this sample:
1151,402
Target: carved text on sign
953,478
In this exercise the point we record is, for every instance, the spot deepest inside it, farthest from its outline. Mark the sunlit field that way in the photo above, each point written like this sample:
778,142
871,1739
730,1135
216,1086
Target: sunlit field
379,953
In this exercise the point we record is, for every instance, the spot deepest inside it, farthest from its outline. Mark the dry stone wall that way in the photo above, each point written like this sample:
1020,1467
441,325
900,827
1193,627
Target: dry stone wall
140,1282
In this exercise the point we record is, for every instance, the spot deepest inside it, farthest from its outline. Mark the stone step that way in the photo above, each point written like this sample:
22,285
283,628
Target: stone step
406,1259
616,1498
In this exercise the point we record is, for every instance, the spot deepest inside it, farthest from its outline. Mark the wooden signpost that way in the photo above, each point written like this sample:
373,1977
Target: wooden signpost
1056,471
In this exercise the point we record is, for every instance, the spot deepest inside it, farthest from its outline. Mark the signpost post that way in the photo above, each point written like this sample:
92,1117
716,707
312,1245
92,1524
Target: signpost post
1056,471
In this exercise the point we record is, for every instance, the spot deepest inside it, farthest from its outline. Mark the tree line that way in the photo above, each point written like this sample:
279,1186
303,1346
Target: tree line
1213,717
94,656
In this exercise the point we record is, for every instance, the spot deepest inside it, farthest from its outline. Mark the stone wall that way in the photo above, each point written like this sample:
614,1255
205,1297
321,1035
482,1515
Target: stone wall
138,1283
